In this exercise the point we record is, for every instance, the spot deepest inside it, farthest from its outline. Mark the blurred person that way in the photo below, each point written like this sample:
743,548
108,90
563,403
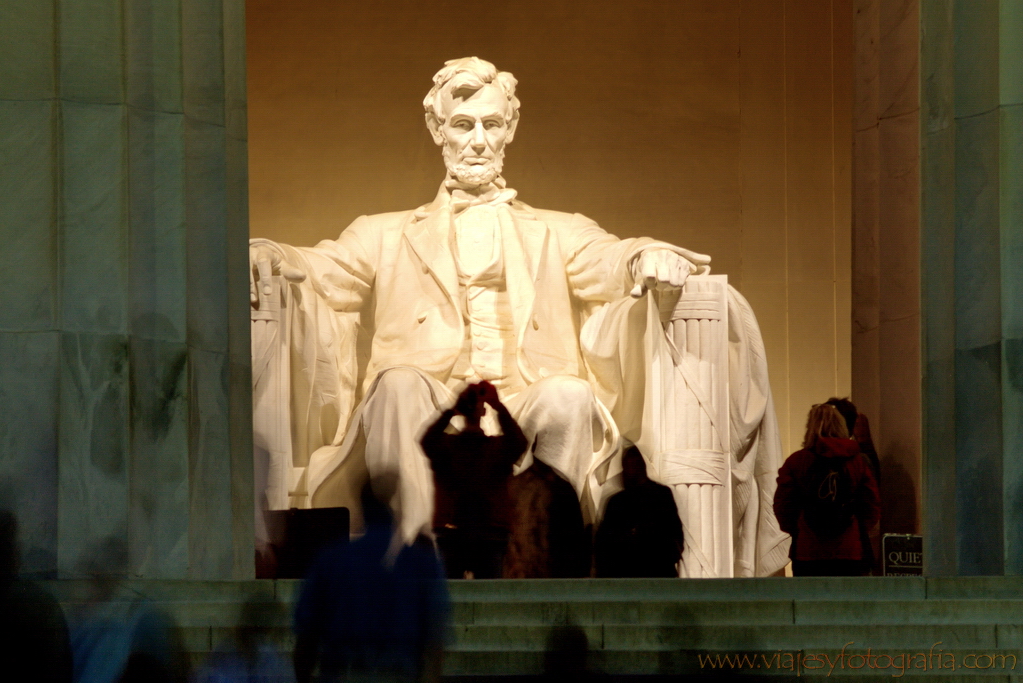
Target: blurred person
373,609
827,499
471,471
641,533
118,636
567,657
248,656
33,632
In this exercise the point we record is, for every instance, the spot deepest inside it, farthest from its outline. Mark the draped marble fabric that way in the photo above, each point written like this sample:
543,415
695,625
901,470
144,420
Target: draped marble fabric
640,375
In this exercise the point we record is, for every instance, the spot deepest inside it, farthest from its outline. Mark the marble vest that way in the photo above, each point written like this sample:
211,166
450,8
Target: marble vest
488,349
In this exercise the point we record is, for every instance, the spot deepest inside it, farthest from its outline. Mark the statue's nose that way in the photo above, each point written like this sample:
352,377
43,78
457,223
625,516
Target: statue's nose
479,140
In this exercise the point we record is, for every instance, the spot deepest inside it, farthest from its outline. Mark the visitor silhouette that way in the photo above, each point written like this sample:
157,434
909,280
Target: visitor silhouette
33,632
641,534
118,635
373,609
471,470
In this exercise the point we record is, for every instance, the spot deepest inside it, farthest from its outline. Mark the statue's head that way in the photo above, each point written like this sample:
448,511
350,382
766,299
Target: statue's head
471,112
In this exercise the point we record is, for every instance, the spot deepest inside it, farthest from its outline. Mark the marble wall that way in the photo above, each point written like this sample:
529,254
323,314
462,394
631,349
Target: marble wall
125,389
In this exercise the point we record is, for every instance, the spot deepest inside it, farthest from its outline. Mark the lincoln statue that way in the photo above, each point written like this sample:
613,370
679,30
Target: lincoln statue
361,341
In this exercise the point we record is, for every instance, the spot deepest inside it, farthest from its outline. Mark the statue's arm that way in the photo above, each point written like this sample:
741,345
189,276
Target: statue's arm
602,267
341,271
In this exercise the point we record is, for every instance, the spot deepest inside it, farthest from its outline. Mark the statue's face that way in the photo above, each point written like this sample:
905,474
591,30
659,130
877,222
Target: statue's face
474,134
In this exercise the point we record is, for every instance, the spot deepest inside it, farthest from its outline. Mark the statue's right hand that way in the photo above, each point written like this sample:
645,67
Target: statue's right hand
264,262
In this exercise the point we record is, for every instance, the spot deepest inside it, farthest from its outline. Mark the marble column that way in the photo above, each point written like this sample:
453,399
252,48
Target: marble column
126,386
972,188
886,249
938,272
1010,113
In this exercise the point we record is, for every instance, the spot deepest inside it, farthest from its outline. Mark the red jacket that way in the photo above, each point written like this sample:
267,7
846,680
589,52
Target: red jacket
788,506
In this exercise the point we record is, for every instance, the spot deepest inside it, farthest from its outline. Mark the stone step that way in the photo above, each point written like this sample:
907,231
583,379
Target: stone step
704,665
665,637
649,627
823,588
624,612
736,637
274,614
571,590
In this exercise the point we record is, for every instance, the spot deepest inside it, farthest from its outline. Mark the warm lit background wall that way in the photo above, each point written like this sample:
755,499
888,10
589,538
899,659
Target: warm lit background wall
719,125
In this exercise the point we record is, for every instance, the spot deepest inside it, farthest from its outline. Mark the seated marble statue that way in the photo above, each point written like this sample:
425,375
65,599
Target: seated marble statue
361,341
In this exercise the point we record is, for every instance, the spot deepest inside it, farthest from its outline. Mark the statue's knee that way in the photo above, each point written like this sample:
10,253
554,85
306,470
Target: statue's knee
567,395
401,382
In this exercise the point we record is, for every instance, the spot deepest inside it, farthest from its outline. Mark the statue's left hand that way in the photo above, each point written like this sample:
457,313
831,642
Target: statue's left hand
661,269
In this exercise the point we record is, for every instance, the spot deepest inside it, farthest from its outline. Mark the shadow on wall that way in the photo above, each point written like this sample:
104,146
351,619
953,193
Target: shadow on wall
898,495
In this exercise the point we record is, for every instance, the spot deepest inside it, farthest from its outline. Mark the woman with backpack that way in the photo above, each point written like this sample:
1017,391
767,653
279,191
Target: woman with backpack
827,500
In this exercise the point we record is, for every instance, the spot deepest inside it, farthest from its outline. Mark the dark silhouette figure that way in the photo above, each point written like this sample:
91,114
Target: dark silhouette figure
641,534
118,636
33,633
548,539
248,655
567,657
372,609
472,515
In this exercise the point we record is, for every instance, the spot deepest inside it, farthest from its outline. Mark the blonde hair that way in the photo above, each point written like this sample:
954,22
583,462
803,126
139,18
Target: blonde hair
824,420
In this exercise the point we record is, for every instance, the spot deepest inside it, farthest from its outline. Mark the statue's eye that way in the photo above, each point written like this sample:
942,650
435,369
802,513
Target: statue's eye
462,125
491,125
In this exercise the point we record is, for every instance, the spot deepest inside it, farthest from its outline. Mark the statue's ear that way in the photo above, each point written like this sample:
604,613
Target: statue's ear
434,125
512,125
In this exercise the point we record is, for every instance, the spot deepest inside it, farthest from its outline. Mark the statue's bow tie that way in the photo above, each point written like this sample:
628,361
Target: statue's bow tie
464,196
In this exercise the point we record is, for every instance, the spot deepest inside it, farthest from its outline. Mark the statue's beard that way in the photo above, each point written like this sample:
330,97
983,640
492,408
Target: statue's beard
474,175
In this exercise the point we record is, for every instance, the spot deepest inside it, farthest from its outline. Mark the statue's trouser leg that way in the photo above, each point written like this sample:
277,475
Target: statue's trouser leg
395,414
559,415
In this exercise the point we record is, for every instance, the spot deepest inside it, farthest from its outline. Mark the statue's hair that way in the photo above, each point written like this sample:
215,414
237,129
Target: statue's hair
824,420
469,74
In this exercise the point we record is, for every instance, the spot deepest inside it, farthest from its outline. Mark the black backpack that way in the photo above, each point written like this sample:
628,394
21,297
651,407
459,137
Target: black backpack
828,497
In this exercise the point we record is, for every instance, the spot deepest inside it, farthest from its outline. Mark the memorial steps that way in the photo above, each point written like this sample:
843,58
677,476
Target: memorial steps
663,627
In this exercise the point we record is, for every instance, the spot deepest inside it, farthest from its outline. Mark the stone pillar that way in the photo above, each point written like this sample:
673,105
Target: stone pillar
886,249
1010,199
125,326
972,185
941,228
